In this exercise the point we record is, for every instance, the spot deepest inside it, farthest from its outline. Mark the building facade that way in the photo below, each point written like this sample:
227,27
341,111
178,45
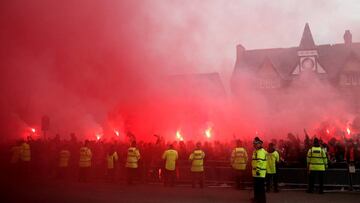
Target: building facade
277,70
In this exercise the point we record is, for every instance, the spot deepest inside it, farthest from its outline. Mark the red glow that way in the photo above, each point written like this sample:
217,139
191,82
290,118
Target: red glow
179,136
98,136
160,173
117,133
147,99
208,133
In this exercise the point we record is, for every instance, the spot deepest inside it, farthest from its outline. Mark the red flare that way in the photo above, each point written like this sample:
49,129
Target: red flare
208,133
179,136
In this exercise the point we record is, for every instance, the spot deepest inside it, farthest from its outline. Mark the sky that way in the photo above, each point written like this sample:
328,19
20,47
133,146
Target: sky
78,61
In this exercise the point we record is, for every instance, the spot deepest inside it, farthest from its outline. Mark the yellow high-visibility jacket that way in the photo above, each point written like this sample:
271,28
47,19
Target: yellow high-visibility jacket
259,163
272,159
25,154
133,156
197,160
85,157
316,159
16,154
239,158
64,158
111,159
170,156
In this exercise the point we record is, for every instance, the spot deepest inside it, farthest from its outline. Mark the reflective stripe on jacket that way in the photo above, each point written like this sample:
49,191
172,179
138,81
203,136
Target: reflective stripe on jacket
170,156
25,154
239,158
197,160
272,160
16,154
64,158
133,156
259,163
111,159
316,159
85,157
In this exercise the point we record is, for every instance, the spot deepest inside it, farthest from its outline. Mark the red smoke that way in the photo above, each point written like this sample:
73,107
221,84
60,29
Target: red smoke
95,66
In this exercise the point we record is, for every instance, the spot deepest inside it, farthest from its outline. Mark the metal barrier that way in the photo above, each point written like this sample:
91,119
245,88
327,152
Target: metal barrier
221,172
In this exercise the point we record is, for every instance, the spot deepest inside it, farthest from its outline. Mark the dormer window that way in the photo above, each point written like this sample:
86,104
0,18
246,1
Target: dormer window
308,55
268,77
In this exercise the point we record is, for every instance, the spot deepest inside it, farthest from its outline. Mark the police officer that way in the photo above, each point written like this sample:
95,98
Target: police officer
25,158
85,162
133,157
273,158
258,164
15,160
317,164
170,156
63,165
197,166
239,158
111,159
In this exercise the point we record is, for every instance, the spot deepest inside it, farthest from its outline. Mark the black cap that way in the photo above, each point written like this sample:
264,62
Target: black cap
316,141
257,141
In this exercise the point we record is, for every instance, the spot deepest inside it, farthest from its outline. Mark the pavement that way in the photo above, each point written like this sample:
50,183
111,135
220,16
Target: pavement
101,192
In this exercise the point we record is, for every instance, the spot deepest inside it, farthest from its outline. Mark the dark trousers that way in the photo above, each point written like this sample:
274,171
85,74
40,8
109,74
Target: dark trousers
351,177
272,181
84,174
197,177
15,171
63,173
320,176
169,178
110,174
25,170
239,176
259,190
130,175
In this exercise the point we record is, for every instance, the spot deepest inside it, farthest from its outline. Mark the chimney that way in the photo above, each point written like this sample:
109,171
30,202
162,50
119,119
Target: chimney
239,52
347,38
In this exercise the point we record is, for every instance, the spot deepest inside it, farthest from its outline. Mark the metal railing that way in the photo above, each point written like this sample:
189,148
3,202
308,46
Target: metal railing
219,172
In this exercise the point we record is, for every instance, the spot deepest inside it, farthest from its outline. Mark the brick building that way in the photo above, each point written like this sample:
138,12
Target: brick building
278,69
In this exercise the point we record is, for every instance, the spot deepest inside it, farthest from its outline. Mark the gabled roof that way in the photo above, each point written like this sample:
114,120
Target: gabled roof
331,57
307,41
283,60
334,57
352,57
266,65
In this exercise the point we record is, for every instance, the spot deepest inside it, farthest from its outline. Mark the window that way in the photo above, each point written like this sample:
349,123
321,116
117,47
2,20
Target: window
352,79
268,83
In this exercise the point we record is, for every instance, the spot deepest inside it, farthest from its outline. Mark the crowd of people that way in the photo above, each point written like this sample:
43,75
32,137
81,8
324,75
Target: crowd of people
113,160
